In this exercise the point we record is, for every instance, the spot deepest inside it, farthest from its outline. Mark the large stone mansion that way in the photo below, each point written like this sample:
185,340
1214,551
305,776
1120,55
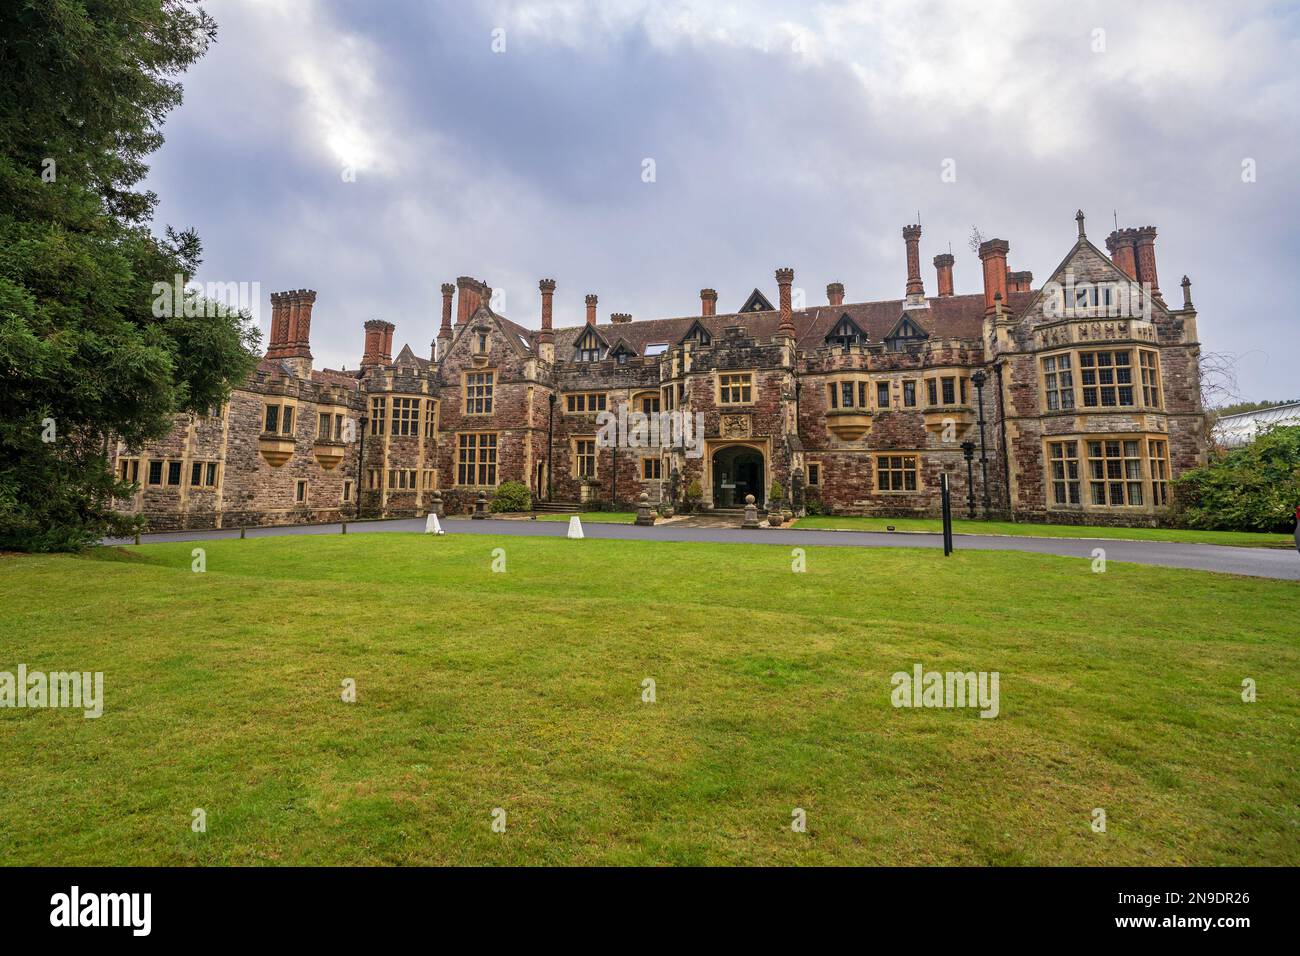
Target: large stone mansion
1073,402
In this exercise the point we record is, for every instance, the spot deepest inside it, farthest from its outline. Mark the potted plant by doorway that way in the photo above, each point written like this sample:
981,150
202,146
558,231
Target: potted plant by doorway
693,495
774,513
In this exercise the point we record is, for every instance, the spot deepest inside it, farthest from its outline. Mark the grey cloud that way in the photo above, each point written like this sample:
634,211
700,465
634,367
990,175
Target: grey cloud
526,164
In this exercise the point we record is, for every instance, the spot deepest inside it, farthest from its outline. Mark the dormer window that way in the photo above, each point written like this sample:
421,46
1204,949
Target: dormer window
621,354
905,333
698,335
846,334
589,347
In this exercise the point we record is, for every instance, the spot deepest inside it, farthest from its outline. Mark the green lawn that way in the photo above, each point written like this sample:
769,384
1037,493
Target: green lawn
522,690
1243,539
595,517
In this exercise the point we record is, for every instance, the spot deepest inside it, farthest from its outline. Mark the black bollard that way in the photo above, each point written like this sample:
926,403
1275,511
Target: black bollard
947,515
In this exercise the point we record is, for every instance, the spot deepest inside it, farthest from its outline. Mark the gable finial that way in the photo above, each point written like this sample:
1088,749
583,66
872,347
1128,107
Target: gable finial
1078,217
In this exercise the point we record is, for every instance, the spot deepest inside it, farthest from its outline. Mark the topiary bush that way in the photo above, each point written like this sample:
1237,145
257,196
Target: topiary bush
511,496
776,493
1255,488
693,495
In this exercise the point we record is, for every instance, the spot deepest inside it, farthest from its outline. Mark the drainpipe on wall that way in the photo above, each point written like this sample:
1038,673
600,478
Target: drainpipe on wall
1002,428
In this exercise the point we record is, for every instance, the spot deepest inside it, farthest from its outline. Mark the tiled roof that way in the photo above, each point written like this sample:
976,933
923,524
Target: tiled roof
333,376
948,317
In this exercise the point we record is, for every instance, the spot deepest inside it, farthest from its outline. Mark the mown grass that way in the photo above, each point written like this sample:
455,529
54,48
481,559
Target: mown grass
1240,539
594,517
523,690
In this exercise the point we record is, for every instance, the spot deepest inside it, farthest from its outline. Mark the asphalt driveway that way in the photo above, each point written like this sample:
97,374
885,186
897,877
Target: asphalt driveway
1256,562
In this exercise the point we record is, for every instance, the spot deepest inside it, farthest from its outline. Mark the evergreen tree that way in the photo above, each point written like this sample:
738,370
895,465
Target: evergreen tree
84,361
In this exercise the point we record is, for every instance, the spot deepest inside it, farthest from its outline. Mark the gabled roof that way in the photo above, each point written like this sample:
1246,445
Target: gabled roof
845,325
1082,243
697,330
408,357
518,338
757,302
592,330
906,328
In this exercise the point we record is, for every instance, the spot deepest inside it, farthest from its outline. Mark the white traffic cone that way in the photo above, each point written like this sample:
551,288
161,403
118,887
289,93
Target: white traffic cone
575,527
431,525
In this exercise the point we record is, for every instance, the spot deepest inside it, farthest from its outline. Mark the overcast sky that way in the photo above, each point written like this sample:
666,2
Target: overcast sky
508,141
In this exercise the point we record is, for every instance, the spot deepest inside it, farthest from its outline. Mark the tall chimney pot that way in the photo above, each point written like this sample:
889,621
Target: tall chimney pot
1120,246
784,279
915,287
943,265
1145,253
708,302
548,292
993,254
379,343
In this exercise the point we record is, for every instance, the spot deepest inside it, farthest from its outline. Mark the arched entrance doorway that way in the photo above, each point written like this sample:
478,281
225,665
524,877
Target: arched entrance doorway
738,471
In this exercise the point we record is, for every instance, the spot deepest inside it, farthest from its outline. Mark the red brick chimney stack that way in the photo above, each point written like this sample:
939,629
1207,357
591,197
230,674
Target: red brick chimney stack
443,340
379,343
444,332
591,308
835,293
471,294
1120,246
708,302
291,326
548,293
1020,281
291,333
994,256
374,343
912,236
306,299
1145,253
784,279
279,309
943,265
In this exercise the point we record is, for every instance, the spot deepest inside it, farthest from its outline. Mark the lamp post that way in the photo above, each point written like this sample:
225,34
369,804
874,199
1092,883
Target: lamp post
550,441
978,380
968,449
364,420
